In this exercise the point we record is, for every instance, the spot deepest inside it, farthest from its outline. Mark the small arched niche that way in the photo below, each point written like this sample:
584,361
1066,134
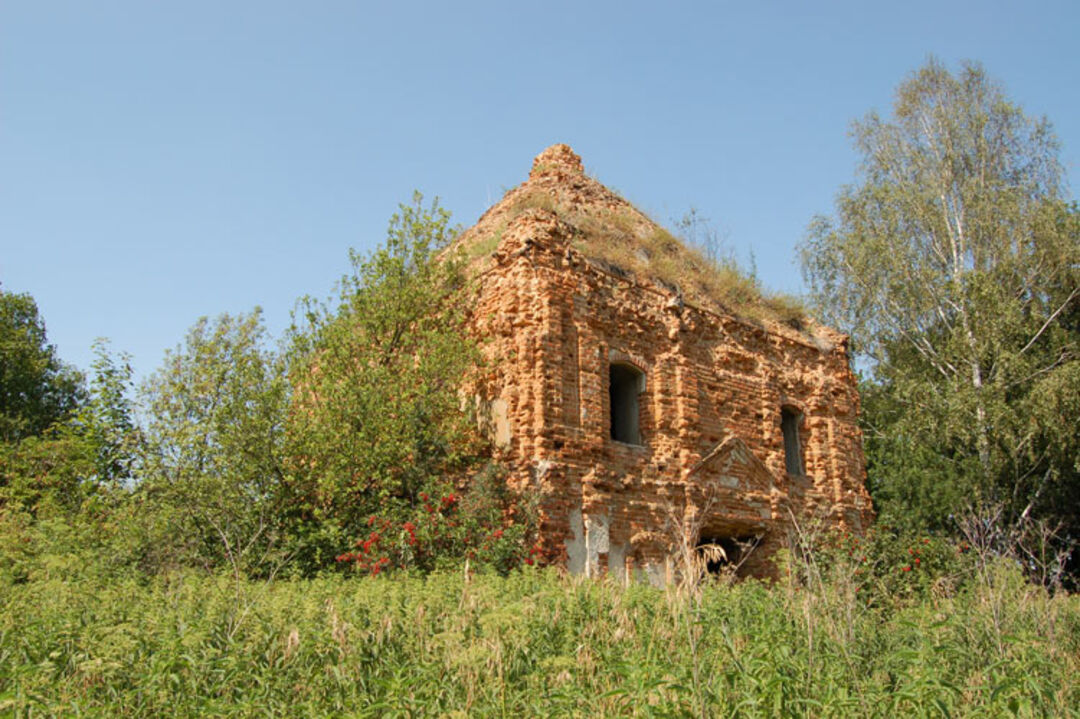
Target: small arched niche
627,382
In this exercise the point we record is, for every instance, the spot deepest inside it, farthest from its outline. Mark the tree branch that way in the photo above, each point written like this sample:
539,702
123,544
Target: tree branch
1049,320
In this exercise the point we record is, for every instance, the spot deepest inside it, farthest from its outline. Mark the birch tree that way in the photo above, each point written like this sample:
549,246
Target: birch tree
953,261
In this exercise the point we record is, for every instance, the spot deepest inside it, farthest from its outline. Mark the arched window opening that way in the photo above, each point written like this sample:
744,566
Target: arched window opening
627,383
789,424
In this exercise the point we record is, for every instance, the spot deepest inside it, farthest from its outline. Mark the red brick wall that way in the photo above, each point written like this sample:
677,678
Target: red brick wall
712,458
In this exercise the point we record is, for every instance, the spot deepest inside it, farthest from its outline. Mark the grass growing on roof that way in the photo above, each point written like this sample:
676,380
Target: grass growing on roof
625,238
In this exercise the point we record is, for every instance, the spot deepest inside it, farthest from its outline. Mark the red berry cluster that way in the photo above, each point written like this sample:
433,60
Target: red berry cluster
916,555
365,557
437,529
533,552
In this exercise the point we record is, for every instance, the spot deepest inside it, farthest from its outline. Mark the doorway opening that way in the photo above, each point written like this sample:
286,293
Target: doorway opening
726,554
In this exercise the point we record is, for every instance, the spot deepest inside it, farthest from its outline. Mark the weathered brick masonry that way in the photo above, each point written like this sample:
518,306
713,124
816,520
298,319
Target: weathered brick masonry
712,392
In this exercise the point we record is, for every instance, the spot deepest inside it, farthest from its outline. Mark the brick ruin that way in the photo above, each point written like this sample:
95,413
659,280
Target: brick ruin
642,407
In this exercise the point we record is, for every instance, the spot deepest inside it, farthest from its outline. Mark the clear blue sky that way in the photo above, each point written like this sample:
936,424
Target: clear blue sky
160,161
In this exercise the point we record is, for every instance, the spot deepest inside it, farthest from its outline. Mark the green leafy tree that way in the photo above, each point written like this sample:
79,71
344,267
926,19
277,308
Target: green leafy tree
107,419
46,475
64,493
378,415
212,465
36,388
91,453
954,262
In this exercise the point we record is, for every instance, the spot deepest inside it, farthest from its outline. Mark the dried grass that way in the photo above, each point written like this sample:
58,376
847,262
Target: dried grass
629,242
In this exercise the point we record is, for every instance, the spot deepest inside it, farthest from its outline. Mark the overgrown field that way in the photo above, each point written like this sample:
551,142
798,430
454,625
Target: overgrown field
82,643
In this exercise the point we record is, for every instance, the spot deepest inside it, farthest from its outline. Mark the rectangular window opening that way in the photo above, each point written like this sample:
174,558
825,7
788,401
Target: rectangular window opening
626,384
789,425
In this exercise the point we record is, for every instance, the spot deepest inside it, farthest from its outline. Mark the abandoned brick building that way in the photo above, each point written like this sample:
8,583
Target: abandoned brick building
644,394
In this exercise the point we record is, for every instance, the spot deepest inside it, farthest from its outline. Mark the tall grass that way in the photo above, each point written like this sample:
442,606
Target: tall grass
533,643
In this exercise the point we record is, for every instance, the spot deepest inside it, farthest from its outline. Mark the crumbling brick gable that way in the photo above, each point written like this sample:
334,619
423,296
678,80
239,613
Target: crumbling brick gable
713,389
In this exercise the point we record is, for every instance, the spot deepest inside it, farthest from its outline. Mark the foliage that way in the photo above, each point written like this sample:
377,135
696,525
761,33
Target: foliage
59,444
64,493
232,469
75,461
212,472
955,264
37,390
46,474
489,525
534,643
107,419
378,414
886,567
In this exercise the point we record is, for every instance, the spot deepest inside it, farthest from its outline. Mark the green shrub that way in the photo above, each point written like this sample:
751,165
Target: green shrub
488,524
887,566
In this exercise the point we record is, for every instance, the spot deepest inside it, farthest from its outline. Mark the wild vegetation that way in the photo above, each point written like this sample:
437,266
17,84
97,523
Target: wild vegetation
838,636
954,261
347,447
316,528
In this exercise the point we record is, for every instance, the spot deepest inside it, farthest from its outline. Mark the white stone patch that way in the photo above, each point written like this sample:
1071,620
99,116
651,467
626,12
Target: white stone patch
543,466
616,561
575,547
596,541
656,575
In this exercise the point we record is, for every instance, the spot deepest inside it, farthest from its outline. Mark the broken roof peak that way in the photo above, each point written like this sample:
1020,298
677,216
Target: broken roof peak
557,158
